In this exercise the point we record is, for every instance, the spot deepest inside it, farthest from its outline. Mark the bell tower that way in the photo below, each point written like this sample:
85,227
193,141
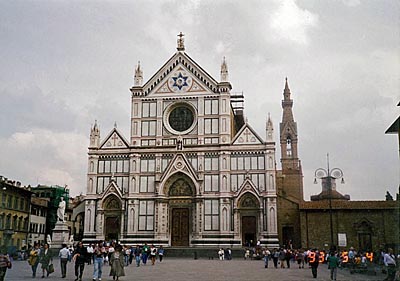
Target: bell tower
288,134
290,178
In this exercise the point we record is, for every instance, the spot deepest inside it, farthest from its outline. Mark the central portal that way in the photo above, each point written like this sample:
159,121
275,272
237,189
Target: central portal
180,227
249,228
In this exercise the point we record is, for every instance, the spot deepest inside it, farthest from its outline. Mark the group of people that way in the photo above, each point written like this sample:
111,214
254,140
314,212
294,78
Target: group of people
113,254
334,259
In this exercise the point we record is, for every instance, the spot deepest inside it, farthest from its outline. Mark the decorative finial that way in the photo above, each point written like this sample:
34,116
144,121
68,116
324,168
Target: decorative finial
138,79
224,71
115,124
180,41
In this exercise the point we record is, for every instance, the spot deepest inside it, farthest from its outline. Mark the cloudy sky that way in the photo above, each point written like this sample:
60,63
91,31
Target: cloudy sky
64,64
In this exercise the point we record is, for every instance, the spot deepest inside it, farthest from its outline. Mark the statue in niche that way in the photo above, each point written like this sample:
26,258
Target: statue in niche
179,143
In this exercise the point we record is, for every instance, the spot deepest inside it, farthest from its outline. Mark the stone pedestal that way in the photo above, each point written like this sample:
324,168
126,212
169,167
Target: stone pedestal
60,235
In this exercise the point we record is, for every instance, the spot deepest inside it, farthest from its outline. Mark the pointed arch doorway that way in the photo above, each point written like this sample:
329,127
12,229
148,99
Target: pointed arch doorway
112,218
249,208
180,190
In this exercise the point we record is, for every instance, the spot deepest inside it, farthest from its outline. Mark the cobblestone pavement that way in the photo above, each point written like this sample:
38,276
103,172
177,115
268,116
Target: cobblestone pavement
175,269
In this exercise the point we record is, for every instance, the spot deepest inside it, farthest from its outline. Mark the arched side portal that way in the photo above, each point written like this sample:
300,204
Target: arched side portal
180,191
249,209
112,218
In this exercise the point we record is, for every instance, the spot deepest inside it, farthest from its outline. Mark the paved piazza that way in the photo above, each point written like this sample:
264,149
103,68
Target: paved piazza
175,269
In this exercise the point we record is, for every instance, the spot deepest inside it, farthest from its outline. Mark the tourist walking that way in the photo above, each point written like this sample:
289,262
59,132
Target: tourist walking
221,254
266,253
161,253
390,263
117,263
79,258
5,263
90,252
275,257
64,256
282,257
138,253
333,263
153,253
299,256
33,259
99,253
45,259
127,254
313,260
145,250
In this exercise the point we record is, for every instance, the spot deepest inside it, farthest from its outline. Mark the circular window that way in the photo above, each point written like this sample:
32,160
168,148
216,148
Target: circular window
180,118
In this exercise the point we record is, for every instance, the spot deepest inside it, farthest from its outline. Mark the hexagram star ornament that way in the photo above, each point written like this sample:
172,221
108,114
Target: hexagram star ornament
180,81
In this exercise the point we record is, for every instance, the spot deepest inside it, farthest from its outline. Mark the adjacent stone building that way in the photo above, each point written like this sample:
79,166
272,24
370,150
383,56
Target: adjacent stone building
365,225
38,220
192,173
15,204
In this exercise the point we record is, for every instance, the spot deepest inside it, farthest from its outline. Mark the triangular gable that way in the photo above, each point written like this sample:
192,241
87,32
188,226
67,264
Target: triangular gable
288,127
180,80
163,79
112,188
114,140
179,164
247,186
247,135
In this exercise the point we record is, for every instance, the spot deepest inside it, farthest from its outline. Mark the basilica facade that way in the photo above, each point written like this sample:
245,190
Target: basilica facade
193,172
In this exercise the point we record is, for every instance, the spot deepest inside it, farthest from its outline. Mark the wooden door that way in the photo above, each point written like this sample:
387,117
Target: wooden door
180,227
249,229
112,228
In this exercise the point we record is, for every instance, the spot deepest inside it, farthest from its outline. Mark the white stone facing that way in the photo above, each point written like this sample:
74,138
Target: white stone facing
180,173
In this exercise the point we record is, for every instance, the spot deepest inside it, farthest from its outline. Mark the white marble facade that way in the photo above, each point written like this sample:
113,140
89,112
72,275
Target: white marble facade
193,172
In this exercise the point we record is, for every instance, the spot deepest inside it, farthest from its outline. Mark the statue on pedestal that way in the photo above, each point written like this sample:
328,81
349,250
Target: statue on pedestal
61,210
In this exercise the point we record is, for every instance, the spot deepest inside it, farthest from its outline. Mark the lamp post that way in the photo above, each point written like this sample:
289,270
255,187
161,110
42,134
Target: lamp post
329,176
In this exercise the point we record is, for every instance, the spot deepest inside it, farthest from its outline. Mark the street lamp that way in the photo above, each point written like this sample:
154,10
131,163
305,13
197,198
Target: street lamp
329,176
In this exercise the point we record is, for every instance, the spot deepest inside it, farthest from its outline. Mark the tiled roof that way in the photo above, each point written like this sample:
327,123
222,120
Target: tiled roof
344,204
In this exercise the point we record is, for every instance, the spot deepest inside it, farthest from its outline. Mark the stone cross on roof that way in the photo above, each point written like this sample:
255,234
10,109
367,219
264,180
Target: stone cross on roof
180,41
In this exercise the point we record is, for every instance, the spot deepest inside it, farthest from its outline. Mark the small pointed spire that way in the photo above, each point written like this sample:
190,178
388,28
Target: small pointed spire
224,71
138,78
286,84
286,91
180,41
95,135
115,124
270,128
95,127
